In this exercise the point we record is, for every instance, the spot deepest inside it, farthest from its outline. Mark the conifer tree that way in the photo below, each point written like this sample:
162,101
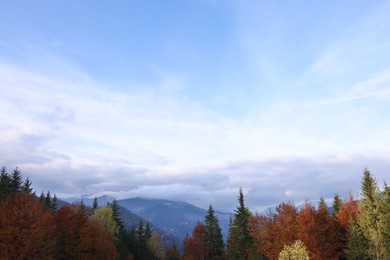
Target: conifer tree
336,204
215,240
54,203
368,218
384,220
240,241
16,180
27,186
357,246
48,200
5,183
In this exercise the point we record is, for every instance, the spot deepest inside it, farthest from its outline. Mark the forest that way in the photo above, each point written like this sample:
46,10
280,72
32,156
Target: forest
42,227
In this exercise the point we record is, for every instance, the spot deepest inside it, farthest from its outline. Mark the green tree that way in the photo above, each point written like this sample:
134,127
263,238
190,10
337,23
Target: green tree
384,220
357,246
296,251
336,204
215,240
368,219
240,241
16,181
104,216
5,183
27,186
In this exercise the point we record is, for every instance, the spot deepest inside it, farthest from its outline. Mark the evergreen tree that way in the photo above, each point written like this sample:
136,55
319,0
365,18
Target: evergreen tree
357,246
384,220
5,183
215,240
16,180
94,204
54,203
336,204
27,186
48,200
115,213
42,198
368,218
240,241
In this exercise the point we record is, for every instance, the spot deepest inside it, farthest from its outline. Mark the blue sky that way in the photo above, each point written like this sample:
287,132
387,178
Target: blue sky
191,100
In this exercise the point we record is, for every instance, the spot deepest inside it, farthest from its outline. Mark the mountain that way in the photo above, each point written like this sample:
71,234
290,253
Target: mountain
173,217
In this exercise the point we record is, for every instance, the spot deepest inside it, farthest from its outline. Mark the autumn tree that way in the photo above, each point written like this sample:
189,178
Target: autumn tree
275,230
104,216
26,228
197,246
296,251
79,238
215,239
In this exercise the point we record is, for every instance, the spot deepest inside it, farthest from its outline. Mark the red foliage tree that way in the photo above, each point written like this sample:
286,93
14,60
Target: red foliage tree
25,228
345,217
317,230
196,246
79,238
274,231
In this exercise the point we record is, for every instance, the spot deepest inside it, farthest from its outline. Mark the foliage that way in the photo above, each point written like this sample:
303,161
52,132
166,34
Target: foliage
197,246
104,216
296,251
26,228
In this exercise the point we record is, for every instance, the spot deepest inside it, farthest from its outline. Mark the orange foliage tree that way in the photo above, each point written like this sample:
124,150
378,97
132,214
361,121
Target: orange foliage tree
25,228
79,238
274,231
317,230
196,246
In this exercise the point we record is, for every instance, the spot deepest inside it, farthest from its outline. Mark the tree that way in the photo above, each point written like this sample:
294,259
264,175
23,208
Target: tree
368,219
336,204
105,217
5,183
80,238
384,220
172,253
215,239
296,251
357,245
16,180
27,186
275,230
26,228
240,241
155,246
197,246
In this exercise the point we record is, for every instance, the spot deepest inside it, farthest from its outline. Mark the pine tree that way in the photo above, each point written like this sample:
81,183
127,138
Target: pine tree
240,241
54,203
16,181
5,183
48,200
357,246
384,220
215,240
115,212
336,204
27,186
368,219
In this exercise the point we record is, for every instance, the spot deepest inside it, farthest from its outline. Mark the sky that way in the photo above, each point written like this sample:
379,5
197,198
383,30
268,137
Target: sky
192,99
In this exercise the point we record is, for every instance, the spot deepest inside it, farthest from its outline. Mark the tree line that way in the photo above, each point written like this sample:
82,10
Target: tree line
34,226
350,229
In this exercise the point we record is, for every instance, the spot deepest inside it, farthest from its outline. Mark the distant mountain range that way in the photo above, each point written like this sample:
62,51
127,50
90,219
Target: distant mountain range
175,218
